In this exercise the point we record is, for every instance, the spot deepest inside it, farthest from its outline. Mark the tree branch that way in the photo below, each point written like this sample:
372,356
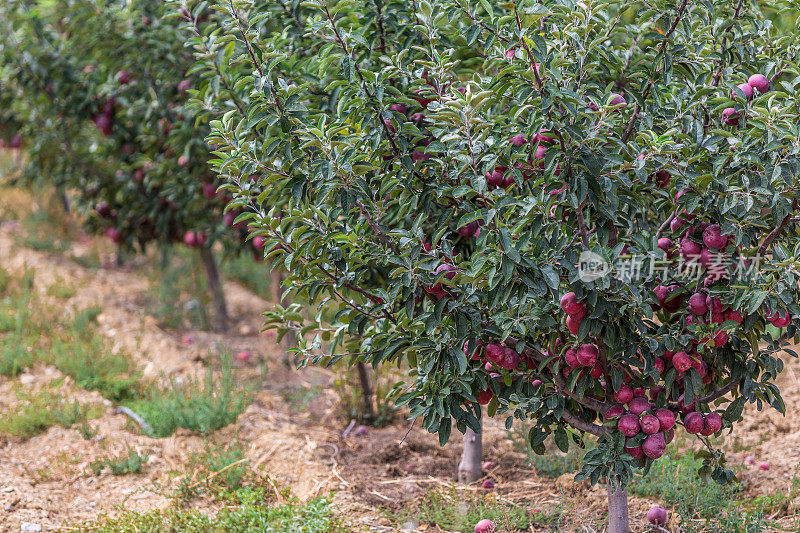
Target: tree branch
719,393
637,108
775,232
579,423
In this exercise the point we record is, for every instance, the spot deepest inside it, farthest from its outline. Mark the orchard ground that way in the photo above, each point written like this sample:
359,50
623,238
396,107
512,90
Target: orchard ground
67,455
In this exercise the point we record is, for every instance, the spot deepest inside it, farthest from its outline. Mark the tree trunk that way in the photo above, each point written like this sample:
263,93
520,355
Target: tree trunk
366,390
215,286
64,199
618,511
469,469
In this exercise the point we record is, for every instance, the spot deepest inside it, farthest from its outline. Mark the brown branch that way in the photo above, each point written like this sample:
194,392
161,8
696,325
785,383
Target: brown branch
582,227
724,41
374,225
775,232
637,108
244,38
719,393
527,50
579,423
381,31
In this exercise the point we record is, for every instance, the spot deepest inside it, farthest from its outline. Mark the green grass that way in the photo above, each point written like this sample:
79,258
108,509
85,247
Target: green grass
35,412
60,289
227,465
247,510
119,465
451,510
702,505
203,406
218,470
77,351
20,338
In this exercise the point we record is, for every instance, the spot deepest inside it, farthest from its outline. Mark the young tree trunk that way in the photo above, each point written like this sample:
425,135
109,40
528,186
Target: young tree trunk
618,511
469,469
366,390
215,286
64,199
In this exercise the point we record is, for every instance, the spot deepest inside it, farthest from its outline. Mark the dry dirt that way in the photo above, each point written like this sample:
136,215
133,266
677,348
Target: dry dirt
45,479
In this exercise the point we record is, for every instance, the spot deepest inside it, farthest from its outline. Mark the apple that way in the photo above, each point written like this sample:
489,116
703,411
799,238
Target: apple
628,424
124,77
485,396
485,526
730,116
573,324
780,321
571,358
624,394
518,140
639,405
712,423
690,250
569,303
400,108
510,359
617,99
615,411
587,354
657,515
682,362
649,424
634,451
114,235
693,422
759,82
713,238
494,352
654,446
745,88
666,418
697,304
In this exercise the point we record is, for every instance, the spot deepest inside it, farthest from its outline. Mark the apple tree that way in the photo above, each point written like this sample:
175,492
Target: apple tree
100,88
581,213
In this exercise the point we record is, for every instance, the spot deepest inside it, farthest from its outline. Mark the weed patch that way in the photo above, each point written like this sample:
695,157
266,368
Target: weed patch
203,406
35,412
119,465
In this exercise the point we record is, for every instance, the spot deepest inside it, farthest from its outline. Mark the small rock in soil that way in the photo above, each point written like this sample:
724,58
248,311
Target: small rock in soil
27,526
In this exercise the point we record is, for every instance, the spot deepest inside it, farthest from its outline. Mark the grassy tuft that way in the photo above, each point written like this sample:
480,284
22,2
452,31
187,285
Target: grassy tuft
197,406
247,510
35,412
119,465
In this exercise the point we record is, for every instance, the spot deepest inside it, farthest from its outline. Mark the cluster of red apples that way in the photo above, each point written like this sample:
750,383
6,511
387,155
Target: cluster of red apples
756,82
